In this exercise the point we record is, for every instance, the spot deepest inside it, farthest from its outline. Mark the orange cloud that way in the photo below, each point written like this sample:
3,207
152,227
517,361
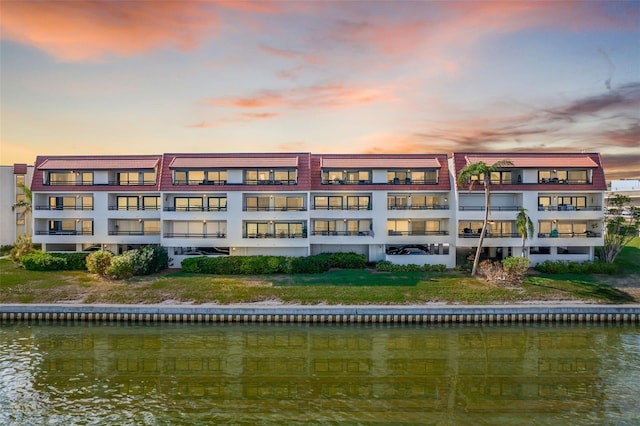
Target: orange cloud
319,96
91,30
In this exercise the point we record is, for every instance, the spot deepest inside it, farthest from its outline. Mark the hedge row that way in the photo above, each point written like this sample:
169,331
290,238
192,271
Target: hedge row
40,261
561,267
144,261
264,265
386,266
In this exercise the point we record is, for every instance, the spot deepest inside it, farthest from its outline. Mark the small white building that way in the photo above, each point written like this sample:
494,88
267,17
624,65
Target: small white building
15,221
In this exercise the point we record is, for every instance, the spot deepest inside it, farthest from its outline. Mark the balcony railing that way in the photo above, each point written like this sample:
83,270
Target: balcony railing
199,182
422,232
132,182
564,181
137,233
195,235
421,207
342,207
135,208
64,208
489,234
409,181
346,181
493,208
270,182
569,207
69,183
276,235
587,234
274,209
195,209
62,232
342,233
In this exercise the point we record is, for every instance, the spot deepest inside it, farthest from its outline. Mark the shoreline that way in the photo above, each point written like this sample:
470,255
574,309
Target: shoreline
534,312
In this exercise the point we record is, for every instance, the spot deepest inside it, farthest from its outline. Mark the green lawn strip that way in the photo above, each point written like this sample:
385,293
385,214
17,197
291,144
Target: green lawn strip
628,260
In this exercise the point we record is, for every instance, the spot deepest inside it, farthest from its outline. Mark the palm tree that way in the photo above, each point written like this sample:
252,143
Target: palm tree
482,174
26,203
525,227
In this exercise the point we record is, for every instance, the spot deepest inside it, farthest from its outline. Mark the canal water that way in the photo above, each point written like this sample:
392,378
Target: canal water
76,373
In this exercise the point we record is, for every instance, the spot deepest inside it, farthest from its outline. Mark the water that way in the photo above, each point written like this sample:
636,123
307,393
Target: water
195,374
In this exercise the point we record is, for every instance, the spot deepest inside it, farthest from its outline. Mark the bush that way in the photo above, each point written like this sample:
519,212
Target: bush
123,266
5,249
386,266
515,268
316,264
21,247
347,260
40,261
75,261
561,267
511,270
152,259
98,261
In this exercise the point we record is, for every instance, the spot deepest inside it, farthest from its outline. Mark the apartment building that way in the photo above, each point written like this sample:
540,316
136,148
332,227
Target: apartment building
14,203
397,207
563,194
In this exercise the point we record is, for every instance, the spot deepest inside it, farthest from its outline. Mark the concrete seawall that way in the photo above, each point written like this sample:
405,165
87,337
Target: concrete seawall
258,313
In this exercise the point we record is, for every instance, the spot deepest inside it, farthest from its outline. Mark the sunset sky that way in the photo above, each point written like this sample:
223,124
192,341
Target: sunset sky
149,77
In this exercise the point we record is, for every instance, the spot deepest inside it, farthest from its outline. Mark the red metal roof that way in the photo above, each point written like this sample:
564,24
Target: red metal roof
561,159
99,163
232,162
380,163
534,161
20,169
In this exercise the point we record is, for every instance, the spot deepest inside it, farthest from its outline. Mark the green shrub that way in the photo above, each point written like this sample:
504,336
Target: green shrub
316,264
515,268
152,259
347,260
40,261
122,266
386,266
561,267
75,261
5,249
98,261
21,247
192,264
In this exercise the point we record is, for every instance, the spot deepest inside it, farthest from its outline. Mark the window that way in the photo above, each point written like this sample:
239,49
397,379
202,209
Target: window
151,202
127,203
399,176
20,219
544,202
180,177
326,202
285,177
216,177
358,227
424,176
62,226
151,227
571,203
199,177
188,204
256,229
397,202
61,178
353,177
288,230
62,203
361,202
87,178
295,203
87,227
256,203
270,176
501,177
19,181
128,178
87,202
217,203
577,176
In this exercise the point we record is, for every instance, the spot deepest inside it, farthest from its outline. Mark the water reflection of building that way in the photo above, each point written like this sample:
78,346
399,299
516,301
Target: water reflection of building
387,374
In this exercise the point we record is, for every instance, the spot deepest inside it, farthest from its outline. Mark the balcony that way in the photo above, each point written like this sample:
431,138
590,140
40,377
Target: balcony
409,181
195,209
493,208
63,232
278,235
134,233
342,233
274,209
135,208
199,182
61,208
195,235
420,207
422,232
468,233
555,234
569,207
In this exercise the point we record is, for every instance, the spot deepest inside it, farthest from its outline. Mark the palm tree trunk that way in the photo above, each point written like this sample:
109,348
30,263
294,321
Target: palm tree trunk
487,204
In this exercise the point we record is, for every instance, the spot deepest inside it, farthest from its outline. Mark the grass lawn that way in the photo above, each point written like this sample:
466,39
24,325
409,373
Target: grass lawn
335,287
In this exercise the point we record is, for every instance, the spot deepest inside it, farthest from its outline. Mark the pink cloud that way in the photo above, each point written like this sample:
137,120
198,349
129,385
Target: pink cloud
319,96
91,30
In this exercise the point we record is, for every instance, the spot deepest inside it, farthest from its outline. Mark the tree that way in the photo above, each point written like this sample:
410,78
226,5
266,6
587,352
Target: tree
619,228
26,203
525,227
480,172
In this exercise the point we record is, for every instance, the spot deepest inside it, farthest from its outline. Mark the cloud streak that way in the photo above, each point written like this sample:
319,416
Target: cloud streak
94,30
